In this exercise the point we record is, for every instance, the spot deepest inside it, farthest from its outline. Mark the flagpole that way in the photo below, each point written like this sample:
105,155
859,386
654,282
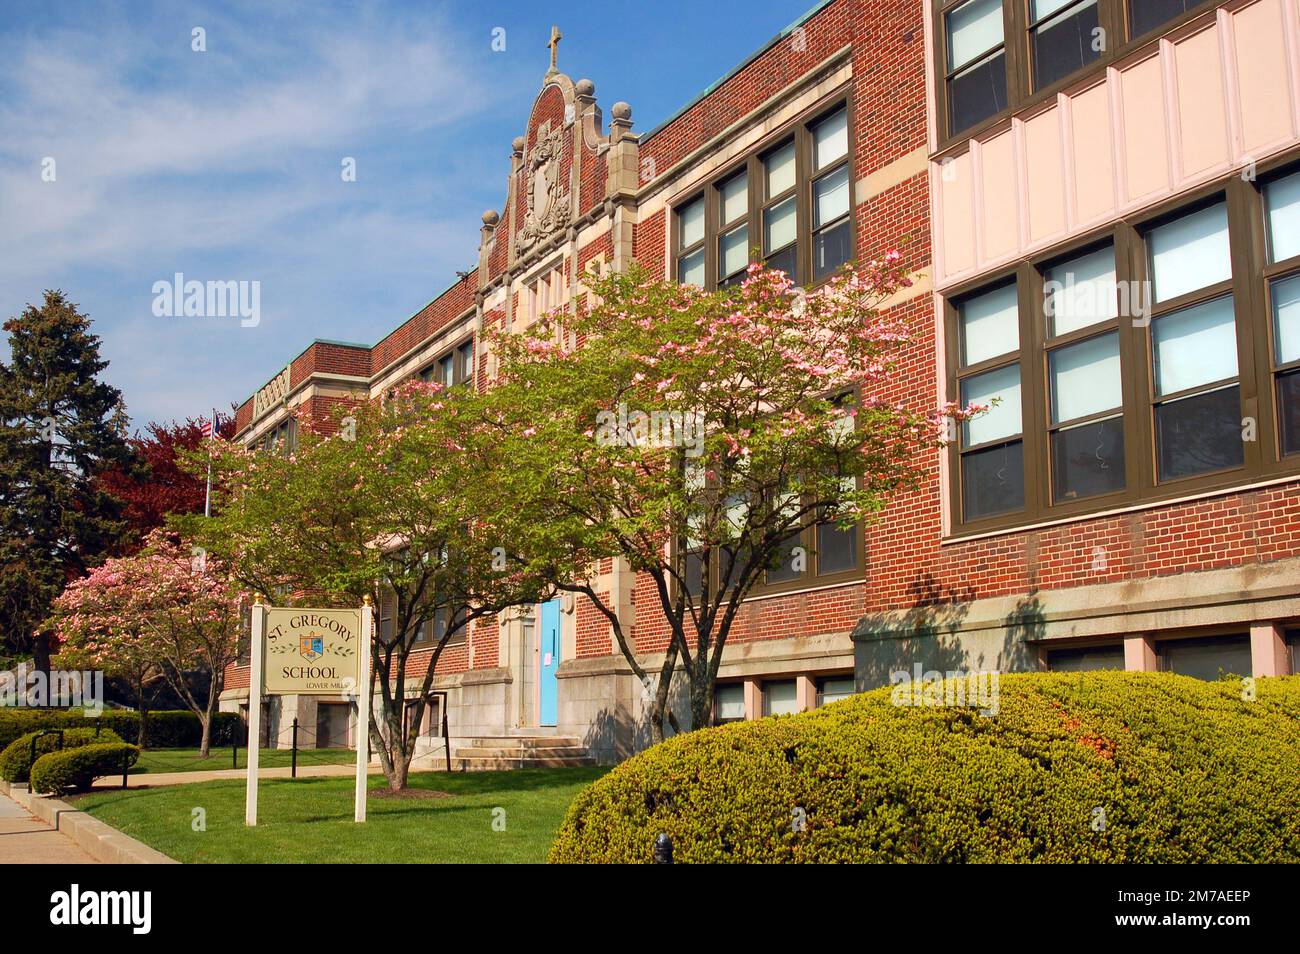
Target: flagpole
207,497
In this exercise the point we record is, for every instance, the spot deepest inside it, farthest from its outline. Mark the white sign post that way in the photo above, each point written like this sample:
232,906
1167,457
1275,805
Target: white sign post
316,652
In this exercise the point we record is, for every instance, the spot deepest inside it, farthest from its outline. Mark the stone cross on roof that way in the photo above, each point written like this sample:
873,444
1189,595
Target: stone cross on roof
554,44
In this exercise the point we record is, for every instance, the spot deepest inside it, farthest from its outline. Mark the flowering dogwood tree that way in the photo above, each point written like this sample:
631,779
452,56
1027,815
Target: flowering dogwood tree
167,610
376,508
698,436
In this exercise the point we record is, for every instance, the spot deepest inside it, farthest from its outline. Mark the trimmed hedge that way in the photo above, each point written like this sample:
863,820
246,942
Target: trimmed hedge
73,770
168,728
16,759
1074,767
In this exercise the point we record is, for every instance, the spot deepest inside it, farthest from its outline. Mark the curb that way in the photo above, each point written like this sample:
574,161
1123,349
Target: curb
102,842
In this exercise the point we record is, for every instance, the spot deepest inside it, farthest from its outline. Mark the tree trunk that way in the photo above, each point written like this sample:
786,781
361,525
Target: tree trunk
701,691
205,718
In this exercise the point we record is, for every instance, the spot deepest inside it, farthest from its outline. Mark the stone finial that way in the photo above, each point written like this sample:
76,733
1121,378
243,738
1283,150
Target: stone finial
491,218
518,145
622,112
584,87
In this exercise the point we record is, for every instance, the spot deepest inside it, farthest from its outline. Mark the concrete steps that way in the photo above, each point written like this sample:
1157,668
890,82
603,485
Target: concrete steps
497,753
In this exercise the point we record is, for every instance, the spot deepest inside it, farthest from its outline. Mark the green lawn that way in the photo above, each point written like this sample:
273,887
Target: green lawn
310,820
187,760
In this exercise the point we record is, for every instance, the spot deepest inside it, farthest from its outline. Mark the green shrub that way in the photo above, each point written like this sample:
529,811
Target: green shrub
73,770
168,728
16,759
1074,767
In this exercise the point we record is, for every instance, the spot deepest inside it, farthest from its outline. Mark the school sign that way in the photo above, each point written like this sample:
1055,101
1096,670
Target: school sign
312,651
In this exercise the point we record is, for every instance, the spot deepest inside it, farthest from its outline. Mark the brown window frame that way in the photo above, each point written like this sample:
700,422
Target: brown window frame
1112,15
460,371
800,130
1251,274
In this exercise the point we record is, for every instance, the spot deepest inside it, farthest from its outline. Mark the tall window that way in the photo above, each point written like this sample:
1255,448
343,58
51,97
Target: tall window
992,445
976,70
1282,205
1086,425
1063,37
456,366
1156,362
788,204
1196,398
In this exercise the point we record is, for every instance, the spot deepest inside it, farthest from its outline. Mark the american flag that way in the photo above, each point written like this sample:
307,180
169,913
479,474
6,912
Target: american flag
207,425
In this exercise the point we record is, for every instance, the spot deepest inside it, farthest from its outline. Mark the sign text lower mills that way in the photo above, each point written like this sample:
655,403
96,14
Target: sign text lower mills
312,651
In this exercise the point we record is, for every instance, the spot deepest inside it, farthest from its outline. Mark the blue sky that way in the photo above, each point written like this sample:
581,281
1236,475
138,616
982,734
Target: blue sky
225,164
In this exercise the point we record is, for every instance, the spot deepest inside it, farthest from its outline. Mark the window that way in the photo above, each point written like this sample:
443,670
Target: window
976,63
1207,657
454,367
1146,15
1086,659
1282,207
1156,361
690,240
282,439
1196,399
833,689
780,697
789,203
728,702
992,451
1063,37
997,57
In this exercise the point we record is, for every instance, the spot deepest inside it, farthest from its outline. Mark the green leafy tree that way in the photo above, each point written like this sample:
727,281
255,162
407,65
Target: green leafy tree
60,425
377,509
695,436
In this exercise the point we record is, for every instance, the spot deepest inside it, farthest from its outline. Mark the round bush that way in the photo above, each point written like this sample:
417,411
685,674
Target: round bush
16,759
73,770
1073,767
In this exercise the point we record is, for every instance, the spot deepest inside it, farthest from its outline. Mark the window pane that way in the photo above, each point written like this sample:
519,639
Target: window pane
1065,43
786,261
730,701
1199,434
1088,459
733,198
977,93
1208,657
833,689
780,169
779,225
973,28
1081,292
990,325
785,567
1085,378
830,197
993,480
733,251
1086,660
1001,419
690,222
1283,199
1285,295
1190,253
1195,346
780,698
690,268
830,139
447,369
1288,405
1146,15
837,548
831,249
693,573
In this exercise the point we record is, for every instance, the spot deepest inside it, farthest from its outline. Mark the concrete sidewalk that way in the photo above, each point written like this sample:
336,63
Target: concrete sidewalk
159,779
26,840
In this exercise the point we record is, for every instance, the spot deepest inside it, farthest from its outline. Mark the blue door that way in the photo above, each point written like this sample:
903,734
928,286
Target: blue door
548,690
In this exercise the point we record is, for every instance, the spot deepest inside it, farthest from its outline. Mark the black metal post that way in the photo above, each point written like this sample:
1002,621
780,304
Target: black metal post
293,759
126,764
32,759
234,745
663,853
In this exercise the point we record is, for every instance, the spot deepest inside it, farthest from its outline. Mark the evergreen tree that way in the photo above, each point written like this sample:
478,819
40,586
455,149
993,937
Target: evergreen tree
60,425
